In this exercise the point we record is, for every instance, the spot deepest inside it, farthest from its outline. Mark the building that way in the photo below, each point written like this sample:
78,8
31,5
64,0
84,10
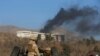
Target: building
24,34
27,34
58,37
42,36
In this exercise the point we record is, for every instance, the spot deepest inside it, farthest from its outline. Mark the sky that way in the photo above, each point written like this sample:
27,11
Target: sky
28,13
33,14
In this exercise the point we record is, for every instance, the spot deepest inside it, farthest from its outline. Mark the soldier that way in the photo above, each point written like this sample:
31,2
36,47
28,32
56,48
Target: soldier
47,51
32,47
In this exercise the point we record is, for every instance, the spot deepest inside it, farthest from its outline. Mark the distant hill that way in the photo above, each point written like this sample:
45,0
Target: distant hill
11,29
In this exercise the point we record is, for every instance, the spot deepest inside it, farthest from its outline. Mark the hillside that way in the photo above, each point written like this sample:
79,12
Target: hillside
9,28
7,43
71,47
12,29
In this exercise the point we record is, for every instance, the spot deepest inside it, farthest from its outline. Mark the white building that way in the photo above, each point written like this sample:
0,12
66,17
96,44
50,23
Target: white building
24,34
43,37
58,37
27,34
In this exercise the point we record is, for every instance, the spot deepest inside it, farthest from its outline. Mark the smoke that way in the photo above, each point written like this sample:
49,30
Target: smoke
85,25
71,14
83,18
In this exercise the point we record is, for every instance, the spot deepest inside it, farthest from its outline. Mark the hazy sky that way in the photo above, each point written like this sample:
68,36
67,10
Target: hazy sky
35,13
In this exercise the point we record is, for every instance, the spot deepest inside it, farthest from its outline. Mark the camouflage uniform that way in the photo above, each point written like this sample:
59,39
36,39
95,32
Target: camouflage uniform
32,48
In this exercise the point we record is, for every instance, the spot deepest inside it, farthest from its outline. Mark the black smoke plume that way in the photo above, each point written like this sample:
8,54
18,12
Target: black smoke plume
67,15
